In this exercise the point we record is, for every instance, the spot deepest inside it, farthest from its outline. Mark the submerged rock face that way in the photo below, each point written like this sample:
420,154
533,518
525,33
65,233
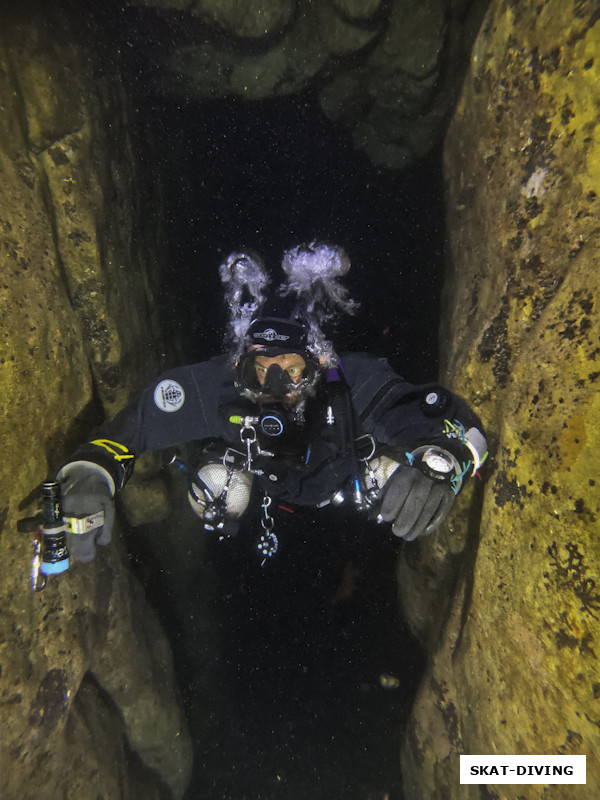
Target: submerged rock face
387,71
514,665
89,705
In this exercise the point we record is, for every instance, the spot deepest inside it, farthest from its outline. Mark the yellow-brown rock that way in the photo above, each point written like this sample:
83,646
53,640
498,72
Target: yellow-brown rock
89,705
515,669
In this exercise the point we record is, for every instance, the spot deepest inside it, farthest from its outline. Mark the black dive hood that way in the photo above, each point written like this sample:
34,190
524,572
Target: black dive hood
278,327
279,324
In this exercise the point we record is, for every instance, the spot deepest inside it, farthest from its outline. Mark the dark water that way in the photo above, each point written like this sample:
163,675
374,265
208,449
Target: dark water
282,666
306,641
271,174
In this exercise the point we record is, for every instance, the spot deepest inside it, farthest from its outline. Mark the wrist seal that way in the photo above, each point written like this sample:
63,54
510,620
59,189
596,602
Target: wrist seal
112,457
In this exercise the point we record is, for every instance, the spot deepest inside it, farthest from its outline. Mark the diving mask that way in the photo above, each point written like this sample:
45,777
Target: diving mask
270,373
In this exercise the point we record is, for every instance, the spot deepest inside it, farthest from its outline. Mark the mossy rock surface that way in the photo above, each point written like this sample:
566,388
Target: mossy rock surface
516,670
89,703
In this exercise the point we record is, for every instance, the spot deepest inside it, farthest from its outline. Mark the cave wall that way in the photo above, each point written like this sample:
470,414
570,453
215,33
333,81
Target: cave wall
89,704
514,654
388,71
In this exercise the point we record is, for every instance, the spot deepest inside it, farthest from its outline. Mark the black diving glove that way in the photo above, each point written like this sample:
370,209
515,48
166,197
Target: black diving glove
414,503
87,490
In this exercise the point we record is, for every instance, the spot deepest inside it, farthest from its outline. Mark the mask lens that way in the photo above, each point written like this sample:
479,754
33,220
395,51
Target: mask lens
295,372
276,374
292,365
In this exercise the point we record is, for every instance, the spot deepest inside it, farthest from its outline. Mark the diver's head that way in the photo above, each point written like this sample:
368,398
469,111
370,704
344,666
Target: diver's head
288,323
277,364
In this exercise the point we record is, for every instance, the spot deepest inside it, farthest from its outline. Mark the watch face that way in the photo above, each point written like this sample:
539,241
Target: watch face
438,461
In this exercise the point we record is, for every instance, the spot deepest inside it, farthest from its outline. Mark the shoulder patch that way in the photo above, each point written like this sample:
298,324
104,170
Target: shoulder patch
169,396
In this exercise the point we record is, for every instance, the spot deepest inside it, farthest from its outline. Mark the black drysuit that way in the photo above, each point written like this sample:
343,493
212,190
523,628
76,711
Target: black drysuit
195,403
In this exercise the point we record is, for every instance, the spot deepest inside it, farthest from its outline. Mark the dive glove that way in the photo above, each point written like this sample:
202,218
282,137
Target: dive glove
414,503
418,489
86,490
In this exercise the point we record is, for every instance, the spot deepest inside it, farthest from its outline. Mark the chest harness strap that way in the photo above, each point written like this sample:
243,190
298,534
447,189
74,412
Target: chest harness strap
357,446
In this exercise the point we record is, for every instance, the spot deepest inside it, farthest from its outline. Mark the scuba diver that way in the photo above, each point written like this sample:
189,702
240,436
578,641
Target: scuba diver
283,414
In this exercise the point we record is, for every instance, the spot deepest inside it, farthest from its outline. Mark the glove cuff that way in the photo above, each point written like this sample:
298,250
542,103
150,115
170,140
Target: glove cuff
382,467
476,443
112,457
89,467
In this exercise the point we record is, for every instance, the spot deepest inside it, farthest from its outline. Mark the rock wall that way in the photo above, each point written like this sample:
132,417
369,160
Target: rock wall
89,705
387,70
514,656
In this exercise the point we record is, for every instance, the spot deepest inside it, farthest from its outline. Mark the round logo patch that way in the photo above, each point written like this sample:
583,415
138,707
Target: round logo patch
169,396
271,425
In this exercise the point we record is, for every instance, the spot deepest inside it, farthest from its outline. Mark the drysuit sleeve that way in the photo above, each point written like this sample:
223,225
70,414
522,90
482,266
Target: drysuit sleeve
404,416
181,405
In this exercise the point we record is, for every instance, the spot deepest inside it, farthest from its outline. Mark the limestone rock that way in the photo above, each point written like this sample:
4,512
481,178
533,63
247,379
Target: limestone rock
285,65
516,668
89,213
89,704
389,72
250,19
357,9
246,18
397,101
88,678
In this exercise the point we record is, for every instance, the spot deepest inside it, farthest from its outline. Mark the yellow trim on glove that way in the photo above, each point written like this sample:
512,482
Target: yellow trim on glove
110,446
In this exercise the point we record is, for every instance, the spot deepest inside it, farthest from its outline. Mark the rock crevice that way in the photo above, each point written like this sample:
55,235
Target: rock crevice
521,333
71,230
